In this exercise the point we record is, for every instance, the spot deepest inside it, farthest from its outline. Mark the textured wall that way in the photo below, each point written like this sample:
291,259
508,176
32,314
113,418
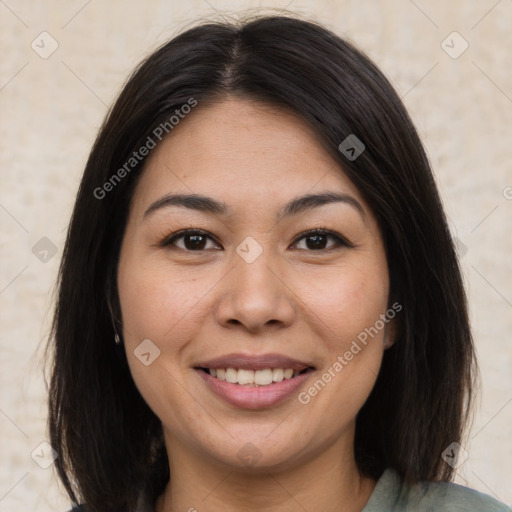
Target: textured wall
51,108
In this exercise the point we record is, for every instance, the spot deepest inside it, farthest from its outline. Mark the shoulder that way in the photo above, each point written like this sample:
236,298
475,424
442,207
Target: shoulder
391,494
450,497
142,506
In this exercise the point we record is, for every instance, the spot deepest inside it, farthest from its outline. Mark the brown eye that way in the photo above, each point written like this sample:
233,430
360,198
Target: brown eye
193,240
317,240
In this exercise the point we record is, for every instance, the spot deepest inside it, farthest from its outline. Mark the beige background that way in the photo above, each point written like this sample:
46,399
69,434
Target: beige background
52,108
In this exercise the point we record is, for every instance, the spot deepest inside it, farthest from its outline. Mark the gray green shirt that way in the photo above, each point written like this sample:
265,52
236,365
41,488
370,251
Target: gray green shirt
390,495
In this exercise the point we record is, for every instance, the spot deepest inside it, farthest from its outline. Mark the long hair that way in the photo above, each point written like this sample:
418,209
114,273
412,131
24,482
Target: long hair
109,442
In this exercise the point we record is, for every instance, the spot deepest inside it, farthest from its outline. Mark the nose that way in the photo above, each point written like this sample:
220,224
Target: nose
255,295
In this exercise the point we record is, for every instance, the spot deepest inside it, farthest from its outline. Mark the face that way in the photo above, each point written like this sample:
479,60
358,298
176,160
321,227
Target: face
250,335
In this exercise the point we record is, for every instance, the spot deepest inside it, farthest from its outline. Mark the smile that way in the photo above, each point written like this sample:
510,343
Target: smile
251,395
253,378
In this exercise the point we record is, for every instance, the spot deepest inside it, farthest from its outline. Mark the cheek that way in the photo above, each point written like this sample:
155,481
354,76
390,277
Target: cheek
362,299
348,310
347,302
157,302
164,307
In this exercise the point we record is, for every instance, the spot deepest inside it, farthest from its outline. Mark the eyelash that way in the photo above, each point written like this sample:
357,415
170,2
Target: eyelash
341,241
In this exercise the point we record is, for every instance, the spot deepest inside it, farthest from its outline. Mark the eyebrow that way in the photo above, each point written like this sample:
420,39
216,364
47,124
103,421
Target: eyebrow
297,205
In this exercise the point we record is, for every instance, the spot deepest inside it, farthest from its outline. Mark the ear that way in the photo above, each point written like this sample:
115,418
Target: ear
391,333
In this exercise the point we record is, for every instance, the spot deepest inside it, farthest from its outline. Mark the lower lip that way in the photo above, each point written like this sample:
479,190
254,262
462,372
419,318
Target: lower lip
254,397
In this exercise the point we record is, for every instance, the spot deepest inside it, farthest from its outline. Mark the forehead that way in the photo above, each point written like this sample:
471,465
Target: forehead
243,153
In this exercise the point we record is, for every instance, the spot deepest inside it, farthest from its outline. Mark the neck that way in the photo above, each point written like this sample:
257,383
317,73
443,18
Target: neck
329,482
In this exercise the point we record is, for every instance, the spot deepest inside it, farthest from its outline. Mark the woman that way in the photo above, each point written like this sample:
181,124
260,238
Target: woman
260,306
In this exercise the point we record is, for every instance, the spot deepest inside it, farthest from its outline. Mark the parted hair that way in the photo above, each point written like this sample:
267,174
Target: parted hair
109,442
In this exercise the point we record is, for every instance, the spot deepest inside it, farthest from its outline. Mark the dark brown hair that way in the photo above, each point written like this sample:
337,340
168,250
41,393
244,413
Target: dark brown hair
110,443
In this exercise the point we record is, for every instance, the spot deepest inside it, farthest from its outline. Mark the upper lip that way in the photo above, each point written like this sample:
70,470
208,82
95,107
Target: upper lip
253,362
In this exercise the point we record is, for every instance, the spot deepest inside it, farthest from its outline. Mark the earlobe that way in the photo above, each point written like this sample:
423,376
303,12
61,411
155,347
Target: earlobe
388,343
390,334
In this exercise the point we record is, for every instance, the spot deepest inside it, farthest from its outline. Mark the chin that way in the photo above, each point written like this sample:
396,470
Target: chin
257,453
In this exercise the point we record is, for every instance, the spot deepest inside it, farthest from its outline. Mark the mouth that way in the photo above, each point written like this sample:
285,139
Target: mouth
254,381
254,378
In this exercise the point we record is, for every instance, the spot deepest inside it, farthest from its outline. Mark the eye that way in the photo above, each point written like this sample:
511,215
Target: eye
196,240
316,239
193,240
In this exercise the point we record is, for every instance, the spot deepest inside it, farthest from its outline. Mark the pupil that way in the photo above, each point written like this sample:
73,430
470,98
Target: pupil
197,243
315,244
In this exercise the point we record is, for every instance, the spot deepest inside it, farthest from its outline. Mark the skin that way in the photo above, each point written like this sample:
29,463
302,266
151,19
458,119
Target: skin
294,299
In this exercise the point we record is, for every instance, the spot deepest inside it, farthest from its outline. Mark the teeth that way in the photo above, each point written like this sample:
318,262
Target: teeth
253,378
263,377
278,375
245,377
231,375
